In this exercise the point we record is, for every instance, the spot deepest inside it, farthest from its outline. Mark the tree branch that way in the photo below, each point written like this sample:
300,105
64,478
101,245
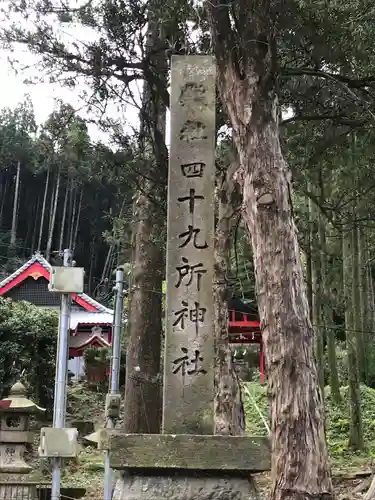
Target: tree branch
351,83
341,119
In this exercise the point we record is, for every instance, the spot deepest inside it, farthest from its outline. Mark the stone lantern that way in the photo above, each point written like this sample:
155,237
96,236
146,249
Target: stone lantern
15,439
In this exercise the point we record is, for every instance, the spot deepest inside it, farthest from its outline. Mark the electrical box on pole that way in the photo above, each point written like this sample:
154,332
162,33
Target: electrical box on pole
66,280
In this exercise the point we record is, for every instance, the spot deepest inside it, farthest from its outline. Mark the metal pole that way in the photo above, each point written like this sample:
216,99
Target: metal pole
115,370
59,409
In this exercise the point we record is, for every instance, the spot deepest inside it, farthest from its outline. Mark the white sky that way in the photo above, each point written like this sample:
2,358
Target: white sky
44,95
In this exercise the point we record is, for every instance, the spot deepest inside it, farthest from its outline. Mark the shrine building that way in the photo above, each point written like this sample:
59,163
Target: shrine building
90,323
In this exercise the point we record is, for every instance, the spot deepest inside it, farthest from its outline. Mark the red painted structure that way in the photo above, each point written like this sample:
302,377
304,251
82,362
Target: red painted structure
243,330
36,270
91,322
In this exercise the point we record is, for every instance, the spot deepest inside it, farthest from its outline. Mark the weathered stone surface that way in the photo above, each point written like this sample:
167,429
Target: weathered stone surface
84,427
184,488
226,453
189,341
18,492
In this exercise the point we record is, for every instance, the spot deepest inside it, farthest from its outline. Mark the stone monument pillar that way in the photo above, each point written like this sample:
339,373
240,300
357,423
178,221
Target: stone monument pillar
16,480
201,464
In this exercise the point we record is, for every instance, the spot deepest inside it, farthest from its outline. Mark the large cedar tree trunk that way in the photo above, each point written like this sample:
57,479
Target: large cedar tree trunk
246,59
143,377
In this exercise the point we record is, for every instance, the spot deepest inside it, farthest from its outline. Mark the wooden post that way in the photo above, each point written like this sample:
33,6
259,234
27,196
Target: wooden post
189,342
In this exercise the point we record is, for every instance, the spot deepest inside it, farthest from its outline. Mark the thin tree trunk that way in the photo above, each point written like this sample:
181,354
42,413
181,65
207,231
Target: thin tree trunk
356,298
330,333
74,194
77,220
142,389
355,437
13,232
316,294
35,229
309,279
62,228
30,199
53,217
43,209
91,264
363,296
228,401
106,263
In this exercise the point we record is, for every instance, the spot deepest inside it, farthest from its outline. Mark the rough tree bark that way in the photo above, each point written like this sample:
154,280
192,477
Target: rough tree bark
227,390
143,377
246,58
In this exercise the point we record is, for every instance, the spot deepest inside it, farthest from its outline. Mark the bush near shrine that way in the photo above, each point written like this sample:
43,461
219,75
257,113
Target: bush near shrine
28,339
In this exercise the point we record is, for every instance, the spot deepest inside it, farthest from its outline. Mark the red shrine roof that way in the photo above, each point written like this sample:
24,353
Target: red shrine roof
37,267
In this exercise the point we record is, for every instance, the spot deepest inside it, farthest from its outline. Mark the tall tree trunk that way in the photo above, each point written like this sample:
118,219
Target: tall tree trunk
309,279
299,467
63,217
53,217
73,217
228,400
13,232
43,209
358,285
106,264
327,315
142,389
35,227
371,300
316,277
31,201
365,297
92,247
77,220
355,437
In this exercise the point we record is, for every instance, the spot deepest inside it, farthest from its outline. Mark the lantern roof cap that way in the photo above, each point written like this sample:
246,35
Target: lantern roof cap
17,390
17,401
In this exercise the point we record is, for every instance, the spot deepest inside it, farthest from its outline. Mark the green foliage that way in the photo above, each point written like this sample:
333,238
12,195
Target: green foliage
28,345
337,416
96,355
338,422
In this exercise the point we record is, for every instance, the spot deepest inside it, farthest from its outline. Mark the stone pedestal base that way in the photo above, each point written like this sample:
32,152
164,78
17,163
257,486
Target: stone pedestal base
202,486
18,492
